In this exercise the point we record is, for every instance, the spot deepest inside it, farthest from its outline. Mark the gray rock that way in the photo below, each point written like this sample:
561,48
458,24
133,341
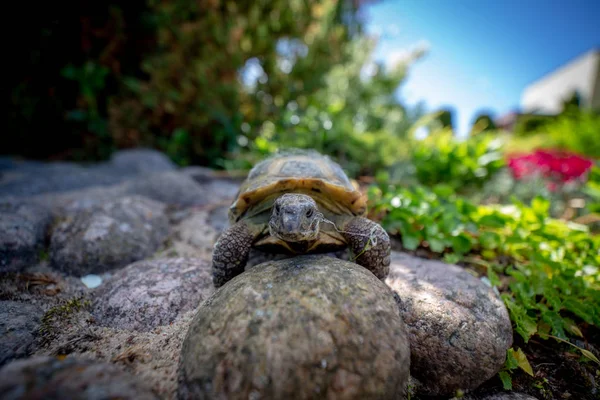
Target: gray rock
32,179
142,161
18,325
76,379
22,234
307,327
28,178
459,328
172,188
109,236
151,293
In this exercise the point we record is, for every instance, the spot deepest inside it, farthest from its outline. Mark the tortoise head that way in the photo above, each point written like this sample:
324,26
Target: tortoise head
295,218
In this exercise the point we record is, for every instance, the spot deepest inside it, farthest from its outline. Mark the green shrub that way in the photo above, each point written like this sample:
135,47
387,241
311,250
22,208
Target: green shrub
577,131
460,164
354,117
198,96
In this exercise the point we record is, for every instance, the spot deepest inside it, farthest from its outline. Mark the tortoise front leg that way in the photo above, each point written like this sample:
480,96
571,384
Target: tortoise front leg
370,245
230,253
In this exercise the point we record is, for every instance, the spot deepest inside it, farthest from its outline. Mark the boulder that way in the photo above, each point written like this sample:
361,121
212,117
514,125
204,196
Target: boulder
18,325
22,234
109,236
458,326
306,327
151,293
72,378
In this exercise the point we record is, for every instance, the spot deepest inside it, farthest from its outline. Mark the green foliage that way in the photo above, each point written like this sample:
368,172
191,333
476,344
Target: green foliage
577,131
515,359
441,158
354,113
528,124
446,119
553,274
483,123
223,63
592,190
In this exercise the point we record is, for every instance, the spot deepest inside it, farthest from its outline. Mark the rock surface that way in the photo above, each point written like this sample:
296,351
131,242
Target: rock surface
459,328
108,236
53,379
28,178
174,188
312,326
151,293
22,234
142,161
18,325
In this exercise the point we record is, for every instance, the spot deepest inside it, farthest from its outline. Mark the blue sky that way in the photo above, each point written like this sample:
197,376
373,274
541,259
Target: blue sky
482,53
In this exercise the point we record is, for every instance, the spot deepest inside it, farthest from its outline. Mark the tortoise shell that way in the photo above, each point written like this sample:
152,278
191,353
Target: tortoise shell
297,171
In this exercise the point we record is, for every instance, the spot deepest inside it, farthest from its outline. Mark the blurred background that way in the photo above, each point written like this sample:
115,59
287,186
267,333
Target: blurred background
491,100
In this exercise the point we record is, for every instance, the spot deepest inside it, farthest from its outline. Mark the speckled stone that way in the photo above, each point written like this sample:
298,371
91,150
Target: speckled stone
151,293
109,236
74,379
18,325
22,234
306,327
458,326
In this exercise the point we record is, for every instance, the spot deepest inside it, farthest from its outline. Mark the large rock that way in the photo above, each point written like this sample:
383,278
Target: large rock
306,327
151,293
142,161
18,325
109,236
76,379
459,328
22,234
28,178
174,188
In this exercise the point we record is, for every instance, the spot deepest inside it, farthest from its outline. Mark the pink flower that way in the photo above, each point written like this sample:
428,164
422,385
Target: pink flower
557,165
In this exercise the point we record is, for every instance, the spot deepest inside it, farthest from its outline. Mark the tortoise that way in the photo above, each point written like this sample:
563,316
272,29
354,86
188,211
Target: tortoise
299,202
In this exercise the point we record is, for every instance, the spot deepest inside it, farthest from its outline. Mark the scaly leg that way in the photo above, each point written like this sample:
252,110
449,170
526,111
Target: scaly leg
230,253
370,245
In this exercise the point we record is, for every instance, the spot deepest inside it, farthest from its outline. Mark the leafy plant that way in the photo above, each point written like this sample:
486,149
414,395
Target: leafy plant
223,65
577,131
354,113
553,274
460,164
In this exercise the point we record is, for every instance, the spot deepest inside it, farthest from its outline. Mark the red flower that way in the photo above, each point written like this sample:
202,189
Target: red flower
558,165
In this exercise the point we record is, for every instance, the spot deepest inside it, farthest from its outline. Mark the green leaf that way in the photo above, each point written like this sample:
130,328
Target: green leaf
540,206
452,258
410,242
506,380
511,361
590,355
522,362
525,325
461,243
492,221
489,240
436,245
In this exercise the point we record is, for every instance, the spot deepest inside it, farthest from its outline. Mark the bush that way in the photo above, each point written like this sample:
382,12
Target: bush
221,64
577,131
460,164
354,114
